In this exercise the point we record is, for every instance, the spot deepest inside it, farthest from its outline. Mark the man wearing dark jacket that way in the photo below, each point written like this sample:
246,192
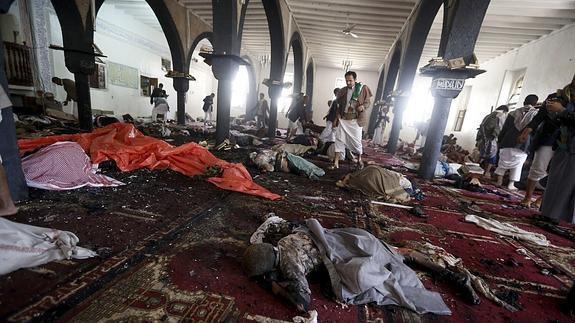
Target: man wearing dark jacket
157,93
208,108
546,126
512,154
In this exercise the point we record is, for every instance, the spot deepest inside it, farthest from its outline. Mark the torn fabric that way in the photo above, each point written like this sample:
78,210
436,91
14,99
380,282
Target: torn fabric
509,230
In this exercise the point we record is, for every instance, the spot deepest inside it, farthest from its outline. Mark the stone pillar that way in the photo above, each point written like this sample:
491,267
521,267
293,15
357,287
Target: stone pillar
461,28
78,36
274,92
445,86
39,25
84,102
181,85
434,138
223,116
225,61
224,69
399,107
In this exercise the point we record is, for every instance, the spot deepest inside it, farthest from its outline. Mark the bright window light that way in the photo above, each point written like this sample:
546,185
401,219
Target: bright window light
420,104
240,90
285,100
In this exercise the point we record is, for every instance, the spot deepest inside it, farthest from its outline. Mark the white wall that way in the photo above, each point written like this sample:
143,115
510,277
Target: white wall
324,83
125,40
10,23
549,64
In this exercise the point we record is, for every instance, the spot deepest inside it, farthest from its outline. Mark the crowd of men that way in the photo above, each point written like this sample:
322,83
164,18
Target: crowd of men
546,132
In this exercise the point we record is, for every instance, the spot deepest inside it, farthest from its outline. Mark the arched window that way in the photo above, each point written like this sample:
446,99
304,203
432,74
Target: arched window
515,92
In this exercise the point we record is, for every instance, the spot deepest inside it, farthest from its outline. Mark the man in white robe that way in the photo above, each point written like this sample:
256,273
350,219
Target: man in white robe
512,153
161,107
353,101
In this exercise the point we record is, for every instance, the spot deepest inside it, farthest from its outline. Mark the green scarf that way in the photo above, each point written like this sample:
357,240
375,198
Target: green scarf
356,91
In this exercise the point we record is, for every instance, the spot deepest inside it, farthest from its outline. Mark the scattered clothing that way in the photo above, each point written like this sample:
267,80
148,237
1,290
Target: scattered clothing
509,230
25,246
63,166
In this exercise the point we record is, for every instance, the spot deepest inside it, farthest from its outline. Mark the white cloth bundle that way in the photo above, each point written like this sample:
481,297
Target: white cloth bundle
23,246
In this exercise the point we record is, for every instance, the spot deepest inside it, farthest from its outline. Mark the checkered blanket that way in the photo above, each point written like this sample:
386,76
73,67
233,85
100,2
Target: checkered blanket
63,166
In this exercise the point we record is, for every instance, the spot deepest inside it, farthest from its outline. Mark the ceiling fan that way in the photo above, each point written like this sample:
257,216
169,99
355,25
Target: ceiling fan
348,29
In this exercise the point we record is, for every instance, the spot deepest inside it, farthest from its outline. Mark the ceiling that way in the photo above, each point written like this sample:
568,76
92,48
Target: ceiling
509,24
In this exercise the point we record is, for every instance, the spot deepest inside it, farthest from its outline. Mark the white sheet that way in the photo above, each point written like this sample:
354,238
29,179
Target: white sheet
23,246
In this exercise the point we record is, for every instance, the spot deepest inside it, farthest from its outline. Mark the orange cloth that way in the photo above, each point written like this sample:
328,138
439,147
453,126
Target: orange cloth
131,149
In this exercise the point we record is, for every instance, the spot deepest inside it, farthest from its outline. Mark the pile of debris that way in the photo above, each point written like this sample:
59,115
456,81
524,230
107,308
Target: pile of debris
54,122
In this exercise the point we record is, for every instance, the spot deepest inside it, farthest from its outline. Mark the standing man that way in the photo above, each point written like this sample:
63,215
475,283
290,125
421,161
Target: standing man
161,107
486,139
70,88
7,206
157,93
208,108
559,197
296,116
353,101
328,134
513,154
546,127
262,110
380,123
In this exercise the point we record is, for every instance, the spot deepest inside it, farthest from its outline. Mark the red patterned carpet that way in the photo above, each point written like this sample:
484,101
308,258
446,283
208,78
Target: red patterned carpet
188,269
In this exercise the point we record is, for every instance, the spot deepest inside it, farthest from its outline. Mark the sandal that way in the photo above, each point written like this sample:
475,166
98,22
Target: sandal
332,167
526,203
537,204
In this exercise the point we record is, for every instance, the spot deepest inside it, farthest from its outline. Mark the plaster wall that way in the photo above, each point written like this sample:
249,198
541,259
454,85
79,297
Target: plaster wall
10,28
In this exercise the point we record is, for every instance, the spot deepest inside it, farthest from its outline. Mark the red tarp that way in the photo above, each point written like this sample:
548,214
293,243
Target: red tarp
130,149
